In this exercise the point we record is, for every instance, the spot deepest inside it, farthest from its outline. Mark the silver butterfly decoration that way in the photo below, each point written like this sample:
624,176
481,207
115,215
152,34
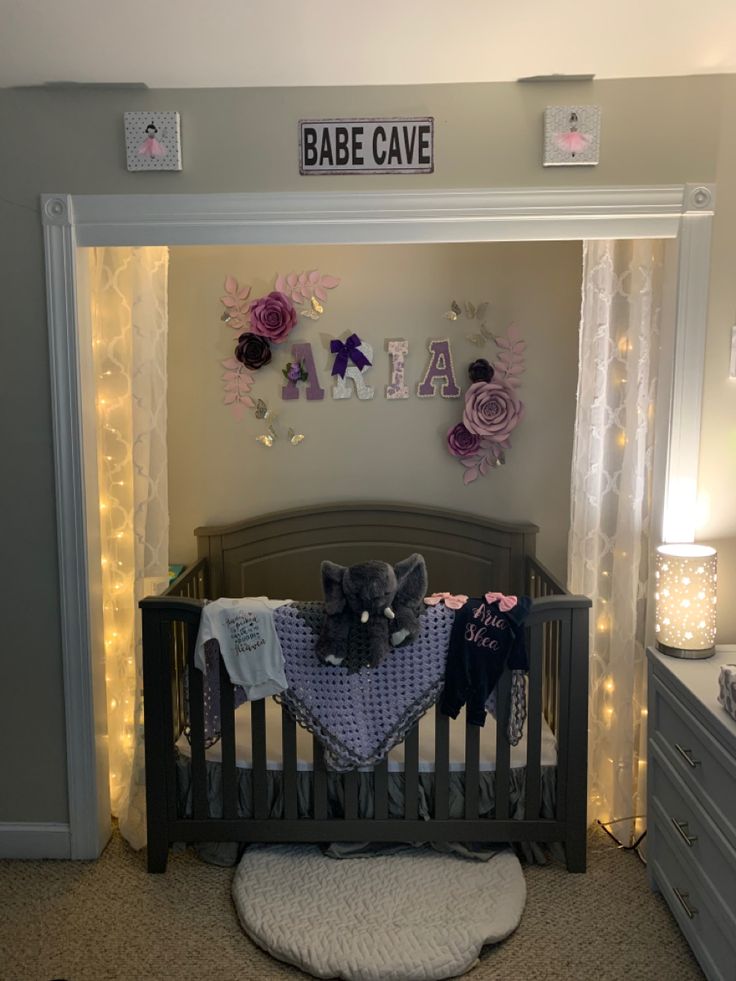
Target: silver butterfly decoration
268,438
474,313
314,310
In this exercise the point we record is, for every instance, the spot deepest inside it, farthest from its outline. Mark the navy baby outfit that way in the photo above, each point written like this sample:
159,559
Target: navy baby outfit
484,640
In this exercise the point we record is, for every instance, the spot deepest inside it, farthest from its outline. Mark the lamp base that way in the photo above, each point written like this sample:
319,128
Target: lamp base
685,653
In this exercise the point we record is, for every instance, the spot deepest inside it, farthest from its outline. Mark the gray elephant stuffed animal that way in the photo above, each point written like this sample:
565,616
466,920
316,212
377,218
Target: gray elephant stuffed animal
369,608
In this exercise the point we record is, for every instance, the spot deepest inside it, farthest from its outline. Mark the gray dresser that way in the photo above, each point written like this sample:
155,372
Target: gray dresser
691,846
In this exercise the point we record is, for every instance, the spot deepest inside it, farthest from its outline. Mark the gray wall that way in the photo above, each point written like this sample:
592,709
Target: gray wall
238,140
377,449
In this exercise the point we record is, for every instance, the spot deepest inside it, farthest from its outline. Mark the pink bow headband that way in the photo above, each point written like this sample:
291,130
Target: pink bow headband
505,603
450,601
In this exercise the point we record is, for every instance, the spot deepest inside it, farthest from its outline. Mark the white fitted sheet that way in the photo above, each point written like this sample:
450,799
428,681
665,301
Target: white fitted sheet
244,756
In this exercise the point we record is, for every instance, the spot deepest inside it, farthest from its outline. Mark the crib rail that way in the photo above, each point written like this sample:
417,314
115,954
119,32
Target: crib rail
557,633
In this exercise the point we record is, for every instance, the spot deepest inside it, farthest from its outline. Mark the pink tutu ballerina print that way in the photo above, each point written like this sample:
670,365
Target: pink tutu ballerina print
572,141
151,147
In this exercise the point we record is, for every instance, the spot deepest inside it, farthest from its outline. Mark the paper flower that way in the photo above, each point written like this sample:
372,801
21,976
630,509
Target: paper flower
295,372
481,370
235,302
253,351
461,442
492,410
272,316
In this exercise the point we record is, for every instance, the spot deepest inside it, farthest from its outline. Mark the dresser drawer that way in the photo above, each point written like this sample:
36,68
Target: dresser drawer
695,839
705,769
692,905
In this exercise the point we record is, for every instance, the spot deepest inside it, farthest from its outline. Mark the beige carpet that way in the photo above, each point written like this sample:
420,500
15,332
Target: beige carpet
111,920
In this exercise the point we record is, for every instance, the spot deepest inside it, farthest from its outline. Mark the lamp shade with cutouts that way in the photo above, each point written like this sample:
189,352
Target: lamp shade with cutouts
686,600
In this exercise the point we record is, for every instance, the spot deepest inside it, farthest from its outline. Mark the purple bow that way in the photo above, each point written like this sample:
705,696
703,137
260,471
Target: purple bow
347,352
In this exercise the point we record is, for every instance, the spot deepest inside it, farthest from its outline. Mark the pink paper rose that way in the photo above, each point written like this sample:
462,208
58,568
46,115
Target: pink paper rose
272,316
461,442
492,410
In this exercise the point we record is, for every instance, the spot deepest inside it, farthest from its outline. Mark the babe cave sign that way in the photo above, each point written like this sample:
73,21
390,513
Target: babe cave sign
366,146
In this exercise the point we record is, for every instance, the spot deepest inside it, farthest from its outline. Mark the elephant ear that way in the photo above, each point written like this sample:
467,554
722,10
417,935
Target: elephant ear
332,577
411,577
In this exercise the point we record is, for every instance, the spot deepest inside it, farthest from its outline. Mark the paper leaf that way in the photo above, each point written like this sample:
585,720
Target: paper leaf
302,279
519,346
503,342
229,301
320,293
292,279
469,476
469,310
244,293
329,282
247,400
231,284
280,284
481,311
469,461
229,398
513,333
313,276
484,466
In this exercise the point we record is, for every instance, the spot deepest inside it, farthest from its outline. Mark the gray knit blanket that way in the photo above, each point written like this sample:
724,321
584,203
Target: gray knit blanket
357,716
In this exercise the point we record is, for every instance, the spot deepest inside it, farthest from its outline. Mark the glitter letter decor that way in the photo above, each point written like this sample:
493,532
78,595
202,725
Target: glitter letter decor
398,350
440,367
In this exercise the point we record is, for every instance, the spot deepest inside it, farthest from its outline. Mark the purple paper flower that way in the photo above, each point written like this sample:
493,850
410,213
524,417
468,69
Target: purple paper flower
272,316
492,410
481,370
295,371
253,351
461,442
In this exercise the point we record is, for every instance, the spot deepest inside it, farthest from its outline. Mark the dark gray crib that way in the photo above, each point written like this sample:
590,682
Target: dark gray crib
280,555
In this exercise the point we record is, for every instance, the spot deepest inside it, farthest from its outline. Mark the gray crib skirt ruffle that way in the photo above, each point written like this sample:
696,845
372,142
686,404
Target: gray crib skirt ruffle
228,853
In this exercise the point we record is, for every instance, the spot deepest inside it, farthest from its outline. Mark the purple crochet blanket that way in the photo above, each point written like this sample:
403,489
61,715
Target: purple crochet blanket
358,717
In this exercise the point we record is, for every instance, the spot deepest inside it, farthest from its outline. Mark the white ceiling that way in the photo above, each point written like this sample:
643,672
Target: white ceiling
204,43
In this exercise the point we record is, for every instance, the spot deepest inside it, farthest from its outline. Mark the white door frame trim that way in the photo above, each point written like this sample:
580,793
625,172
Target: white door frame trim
683,212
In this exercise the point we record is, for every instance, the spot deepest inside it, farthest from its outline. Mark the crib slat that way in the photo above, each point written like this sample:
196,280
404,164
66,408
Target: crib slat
380,790
259,771
472,769
534,725
288,742
441,765
350,789
196,723
319,780
563,689
227,728
411,774
503,750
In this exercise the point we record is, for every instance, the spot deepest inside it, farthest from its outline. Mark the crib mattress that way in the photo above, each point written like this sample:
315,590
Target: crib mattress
244,756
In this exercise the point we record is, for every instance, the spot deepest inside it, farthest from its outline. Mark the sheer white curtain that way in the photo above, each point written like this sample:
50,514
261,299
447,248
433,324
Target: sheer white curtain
608,554
129,290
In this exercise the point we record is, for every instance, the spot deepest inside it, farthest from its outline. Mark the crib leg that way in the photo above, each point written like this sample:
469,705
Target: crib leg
158,853
575,851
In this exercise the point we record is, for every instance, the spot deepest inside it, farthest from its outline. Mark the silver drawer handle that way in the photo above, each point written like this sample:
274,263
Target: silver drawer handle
683,898
687,755
682,830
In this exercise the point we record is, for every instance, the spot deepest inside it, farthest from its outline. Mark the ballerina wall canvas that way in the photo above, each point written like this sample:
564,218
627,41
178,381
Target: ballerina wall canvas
571,135
152,140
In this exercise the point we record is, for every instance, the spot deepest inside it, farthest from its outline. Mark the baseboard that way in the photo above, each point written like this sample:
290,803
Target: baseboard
29,839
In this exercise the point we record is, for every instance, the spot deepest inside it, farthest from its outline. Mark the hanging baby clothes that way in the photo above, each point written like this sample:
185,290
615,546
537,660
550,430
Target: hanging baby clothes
487,635
249,644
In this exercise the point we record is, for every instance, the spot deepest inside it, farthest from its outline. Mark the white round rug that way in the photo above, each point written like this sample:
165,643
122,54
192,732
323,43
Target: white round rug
419,916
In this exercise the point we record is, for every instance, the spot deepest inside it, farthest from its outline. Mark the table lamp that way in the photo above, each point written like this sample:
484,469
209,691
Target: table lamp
686,600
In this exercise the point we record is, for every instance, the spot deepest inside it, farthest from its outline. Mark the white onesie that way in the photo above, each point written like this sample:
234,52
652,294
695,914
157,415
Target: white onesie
249,644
